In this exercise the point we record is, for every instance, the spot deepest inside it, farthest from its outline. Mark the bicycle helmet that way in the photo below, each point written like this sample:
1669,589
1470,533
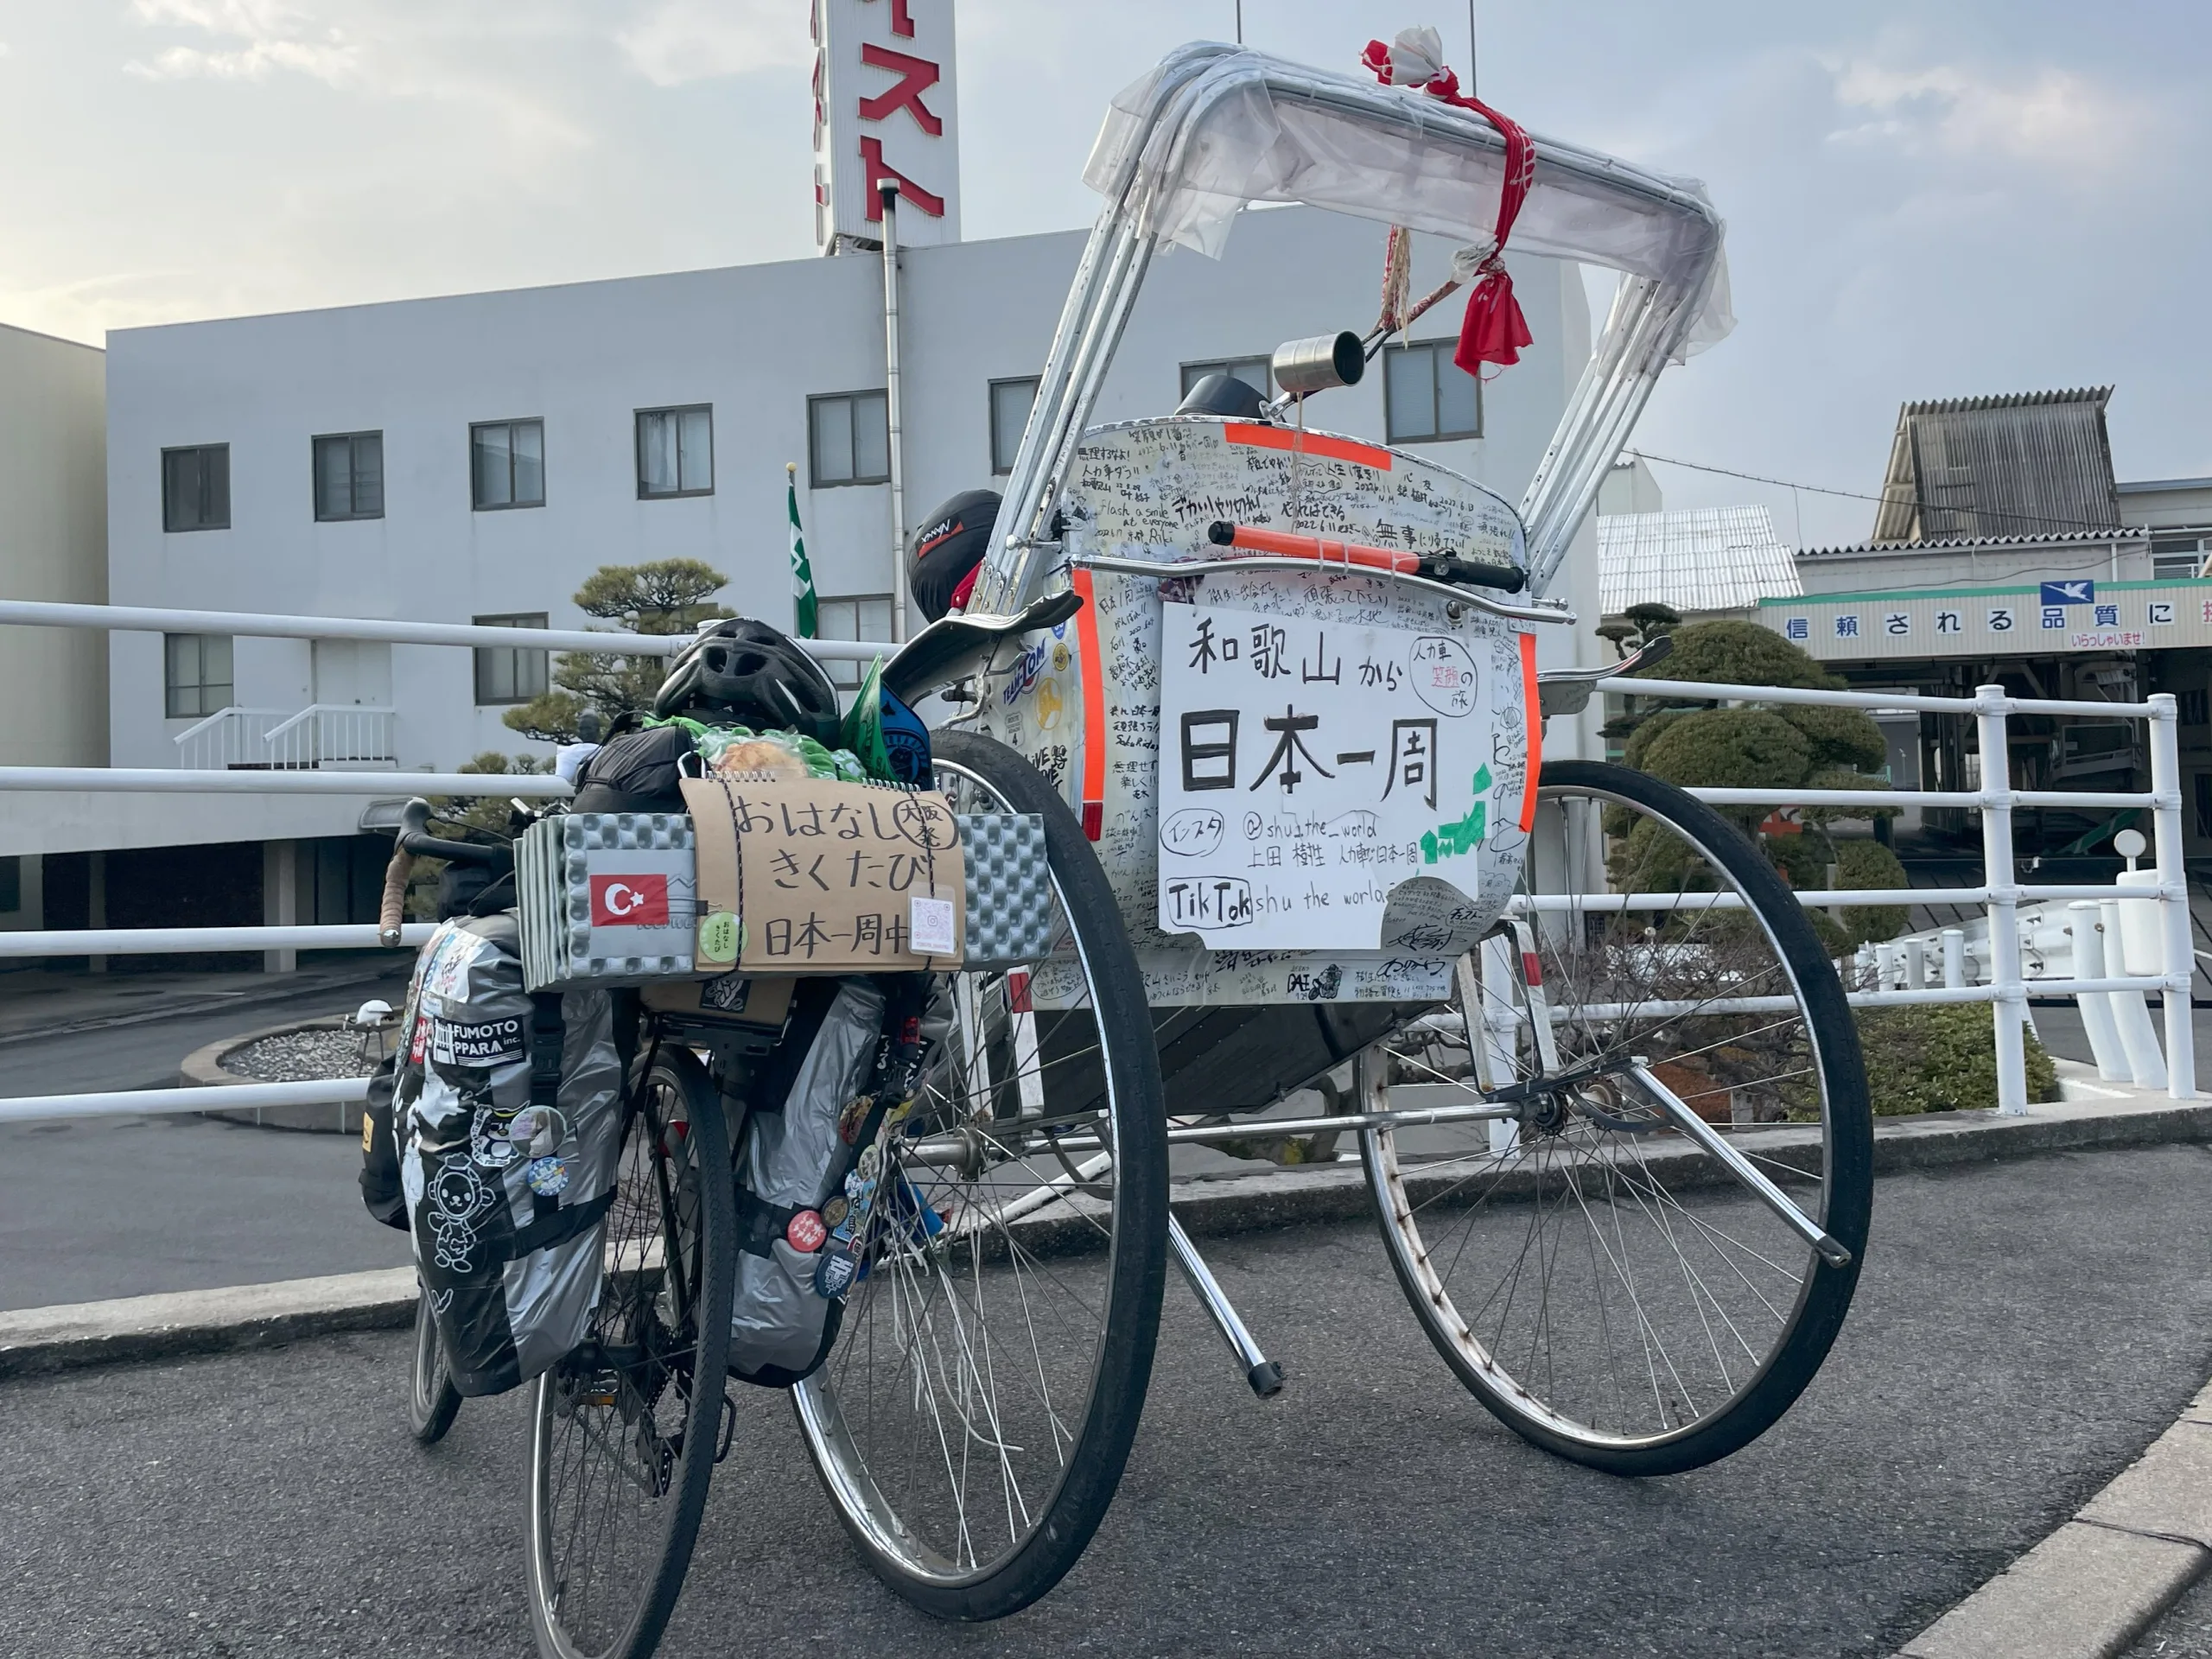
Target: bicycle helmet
747,673
947,548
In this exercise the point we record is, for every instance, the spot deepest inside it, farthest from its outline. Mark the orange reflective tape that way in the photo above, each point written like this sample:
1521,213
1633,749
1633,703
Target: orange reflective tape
1093,707
1312,443
1532,705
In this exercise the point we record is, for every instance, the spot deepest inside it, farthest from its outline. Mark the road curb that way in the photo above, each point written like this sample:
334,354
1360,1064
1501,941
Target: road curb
2091,1588
39,1341
42,1341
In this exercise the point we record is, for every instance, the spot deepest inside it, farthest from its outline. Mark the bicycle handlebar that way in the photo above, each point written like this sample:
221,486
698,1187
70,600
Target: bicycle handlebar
415,841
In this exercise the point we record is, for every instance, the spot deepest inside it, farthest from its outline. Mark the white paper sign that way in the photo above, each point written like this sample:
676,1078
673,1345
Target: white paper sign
929,926
1306,769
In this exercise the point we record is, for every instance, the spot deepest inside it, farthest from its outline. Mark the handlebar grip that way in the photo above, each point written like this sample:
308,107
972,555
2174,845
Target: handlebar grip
395,895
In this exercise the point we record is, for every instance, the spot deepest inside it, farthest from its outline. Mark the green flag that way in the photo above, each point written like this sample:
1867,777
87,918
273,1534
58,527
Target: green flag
802,572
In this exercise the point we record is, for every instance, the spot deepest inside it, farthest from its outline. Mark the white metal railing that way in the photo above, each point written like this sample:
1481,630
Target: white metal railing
333,734
321,734
2001,893
264,751
229,737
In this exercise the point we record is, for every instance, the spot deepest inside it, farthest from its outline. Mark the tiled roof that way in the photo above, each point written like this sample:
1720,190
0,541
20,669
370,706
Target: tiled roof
2015,465
1693,558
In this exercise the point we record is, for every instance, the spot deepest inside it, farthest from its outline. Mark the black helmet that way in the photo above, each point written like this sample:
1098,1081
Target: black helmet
949,544
1223,394
747,673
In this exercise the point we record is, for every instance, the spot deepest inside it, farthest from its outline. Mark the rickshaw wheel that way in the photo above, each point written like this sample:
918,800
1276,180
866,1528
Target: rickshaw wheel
1606,1289
975,1417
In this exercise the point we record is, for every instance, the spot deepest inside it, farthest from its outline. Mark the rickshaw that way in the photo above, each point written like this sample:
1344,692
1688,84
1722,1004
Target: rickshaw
1278,696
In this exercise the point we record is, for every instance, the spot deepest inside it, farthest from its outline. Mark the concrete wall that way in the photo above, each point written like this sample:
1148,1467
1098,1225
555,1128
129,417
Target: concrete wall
755,341
52,546
2168,504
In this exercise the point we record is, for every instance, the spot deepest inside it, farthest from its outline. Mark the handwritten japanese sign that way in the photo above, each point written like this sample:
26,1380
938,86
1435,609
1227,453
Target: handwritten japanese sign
1307,768
821,877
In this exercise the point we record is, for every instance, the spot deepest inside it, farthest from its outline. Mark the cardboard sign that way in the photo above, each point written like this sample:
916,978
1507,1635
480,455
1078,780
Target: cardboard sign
818,877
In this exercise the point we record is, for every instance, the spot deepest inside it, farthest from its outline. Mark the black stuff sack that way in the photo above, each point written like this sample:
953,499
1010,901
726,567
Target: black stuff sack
508,1116
637,771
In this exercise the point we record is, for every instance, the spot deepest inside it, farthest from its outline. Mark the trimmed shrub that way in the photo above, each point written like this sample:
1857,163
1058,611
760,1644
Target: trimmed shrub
1941,1060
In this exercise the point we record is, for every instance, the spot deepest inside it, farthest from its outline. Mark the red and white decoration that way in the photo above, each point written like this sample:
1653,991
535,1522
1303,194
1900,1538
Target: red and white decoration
884,112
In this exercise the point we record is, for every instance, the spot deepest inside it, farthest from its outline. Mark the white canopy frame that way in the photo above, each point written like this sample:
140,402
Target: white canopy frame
1215,127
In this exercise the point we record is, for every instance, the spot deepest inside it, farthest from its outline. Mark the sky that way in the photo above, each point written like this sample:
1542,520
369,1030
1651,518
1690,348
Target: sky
1924,198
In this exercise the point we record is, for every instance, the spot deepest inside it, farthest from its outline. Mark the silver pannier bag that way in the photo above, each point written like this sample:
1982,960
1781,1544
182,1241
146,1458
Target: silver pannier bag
508,1115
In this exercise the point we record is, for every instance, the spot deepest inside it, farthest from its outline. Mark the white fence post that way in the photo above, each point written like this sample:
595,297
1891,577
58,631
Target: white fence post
2010,1009
2091,941
2138,1038
2173,883
1954,958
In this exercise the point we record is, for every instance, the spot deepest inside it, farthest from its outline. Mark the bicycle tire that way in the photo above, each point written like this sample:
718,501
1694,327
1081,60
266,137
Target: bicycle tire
1809,1051
654,1338
432,1400
974,1568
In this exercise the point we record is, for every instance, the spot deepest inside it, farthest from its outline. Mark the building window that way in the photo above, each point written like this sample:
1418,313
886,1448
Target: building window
196,487
1010,402
1426,397
2204,805
1257,372
864,616
2196,707
349,476
848,436
506,464
2178,558
676,451
195,674
510,673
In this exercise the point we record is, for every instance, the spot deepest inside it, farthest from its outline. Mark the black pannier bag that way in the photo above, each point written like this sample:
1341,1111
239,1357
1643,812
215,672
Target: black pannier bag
507,1118
380,1190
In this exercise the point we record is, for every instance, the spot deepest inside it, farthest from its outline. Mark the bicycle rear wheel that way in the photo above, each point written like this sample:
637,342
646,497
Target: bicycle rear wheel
628,1423
432,1400
975,1417
1588,1260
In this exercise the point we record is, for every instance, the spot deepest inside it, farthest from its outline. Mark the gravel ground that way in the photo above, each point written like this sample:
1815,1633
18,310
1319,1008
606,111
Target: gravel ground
299,1057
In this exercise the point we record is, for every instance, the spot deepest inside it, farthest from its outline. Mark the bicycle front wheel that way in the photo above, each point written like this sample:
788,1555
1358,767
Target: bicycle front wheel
628,1422
974,1419
1664,1050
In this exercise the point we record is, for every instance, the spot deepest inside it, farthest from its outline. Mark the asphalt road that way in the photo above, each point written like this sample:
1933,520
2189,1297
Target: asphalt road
2185,1632
126,1206
2022,1330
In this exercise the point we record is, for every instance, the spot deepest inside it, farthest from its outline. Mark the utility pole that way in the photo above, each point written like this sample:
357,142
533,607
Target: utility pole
891,412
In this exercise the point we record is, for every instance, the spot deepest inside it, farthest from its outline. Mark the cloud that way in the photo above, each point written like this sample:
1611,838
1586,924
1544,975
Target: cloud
269,36
398,49
2053,116
682,41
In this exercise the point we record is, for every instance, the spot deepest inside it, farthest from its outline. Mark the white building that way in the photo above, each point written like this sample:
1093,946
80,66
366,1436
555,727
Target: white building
52,546
477,457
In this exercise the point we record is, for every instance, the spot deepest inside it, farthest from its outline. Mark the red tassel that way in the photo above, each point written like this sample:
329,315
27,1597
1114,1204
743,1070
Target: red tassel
1494,330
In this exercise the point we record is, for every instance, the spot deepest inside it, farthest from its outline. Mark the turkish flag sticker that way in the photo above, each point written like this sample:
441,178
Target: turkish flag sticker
629,901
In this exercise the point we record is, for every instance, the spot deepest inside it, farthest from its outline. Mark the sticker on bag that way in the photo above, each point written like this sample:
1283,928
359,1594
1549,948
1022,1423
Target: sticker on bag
488,1042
